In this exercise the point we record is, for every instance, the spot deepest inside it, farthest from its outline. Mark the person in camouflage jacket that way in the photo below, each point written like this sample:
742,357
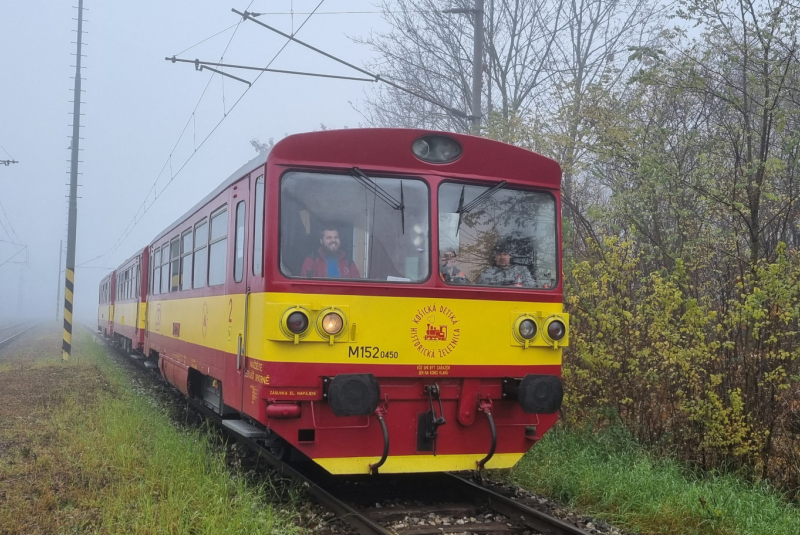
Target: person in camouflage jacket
503,273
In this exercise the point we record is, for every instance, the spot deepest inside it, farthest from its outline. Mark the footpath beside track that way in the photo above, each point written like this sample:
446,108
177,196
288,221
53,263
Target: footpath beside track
397,504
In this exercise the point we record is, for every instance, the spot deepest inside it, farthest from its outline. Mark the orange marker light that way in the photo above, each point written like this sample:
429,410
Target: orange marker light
332,323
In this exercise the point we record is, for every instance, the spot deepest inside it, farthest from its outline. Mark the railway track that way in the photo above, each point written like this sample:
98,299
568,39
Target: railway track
11,332
398,504
440,502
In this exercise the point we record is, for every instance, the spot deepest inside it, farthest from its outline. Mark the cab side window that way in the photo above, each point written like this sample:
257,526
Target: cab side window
258,230
238,256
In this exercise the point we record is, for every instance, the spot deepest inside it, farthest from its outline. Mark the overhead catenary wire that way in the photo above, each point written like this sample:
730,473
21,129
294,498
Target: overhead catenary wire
7,260
4,150
14,237
10,160
458,113
153,189
143,207
207,38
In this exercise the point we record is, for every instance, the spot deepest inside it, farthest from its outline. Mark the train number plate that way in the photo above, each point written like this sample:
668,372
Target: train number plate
371,352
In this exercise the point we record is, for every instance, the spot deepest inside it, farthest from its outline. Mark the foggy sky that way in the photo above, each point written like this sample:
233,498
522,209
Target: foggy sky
136,106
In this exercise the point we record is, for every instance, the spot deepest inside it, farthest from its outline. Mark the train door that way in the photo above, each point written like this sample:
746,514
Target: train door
255,285
236,289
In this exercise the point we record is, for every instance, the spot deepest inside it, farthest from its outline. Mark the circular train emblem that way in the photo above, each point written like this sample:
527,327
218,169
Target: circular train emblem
435,331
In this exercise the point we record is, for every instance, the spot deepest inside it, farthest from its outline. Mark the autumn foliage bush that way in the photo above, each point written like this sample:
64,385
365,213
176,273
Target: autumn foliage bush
716,381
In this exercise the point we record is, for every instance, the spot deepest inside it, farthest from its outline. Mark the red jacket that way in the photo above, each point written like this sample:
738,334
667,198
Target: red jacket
318,267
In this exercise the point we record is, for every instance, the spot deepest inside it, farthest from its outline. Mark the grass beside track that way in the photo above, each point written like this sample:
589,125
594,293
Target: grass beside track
609,476
81,451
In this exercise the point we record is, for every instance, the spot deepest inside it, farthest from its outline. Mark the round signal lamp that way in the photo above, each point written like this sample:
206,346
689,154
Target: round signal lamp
556,330
527,329
297,322
332,323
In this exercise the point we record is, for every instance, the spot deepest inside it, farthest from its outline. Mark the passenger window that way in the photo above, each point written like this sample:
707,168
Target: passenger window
200,255
218,248
176,261
155,280
165,268
238,259
258,230
186,260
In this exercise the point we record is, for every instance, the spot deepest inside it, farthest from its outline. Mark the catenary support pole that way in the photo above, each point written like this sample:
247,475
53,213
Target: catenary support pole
477,68
69,279
58,279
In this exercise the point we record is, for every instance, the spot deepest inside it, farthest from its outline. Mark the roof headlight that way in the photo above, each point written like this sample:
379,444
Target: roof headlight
421,148
436,149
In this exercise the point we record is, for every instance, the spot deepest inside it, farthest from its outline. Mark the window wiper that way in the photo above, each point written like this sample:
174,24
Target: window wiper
477,201
382,194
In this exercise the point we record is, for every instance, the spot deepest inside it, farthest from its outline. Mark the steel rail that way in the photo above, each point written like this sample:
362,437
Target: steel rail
31,325
515,510
7,327
359,521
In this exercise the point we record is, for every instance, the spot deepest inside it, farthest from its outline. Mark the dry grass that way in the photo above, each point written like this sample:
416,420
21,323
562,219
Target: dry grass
38,489
82,452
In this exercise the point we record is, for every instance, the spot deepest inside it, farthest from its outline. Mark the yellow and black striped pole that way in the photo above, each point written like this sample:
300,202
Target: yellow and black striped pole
66,345
69,282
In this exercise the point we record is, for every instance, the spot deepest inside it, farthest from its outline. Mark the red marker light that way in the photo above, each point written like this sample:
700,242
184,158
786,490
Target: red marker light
556,330
297,322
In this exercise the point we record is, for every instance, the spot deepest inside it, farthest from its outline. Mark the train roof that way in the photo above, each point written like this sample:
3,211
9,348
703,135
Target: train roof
379,148
373,147
131,258
236,175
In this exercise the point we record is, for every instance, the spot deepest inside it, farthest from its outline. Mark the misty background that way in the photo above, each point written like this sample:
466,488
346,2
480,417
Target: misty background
145,120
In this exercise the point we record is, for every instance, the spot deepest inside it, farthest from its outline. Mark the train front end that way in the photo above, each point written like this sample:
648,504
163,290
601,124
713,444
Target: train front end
412,316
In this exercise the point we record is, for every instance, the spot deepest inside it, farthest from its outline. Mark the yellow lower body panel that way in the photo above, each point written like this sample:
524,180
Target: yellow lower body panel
416,463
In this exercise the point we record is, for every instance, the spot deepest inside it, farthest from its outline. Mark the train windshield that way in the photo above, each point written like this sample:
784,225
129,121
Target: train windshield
497,236
354,226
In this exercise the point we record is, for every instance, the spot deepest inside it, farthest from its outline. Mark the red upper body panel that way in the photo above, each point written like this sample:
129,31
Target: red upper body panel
382,152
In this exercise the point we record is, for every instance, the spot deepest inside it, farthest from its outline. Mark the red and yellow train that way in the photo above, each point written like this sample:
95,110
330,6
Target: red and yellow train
378,299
